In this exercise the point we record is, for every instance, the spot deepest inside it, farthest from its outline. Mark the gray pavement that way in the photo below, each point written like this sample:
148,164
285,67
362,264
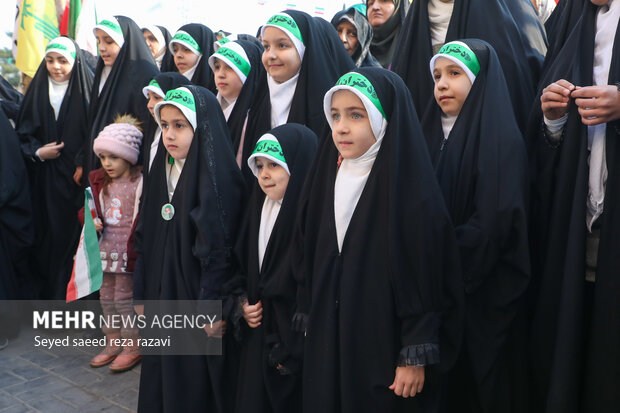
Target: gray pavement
37,380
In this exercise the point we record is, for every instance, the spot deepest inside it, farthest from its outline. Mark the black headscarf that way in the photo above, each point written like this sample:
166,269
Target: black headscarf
575,370
189,256
385,37
15,210
122,93
482,171
253,92
203,76
166,81
272,342
325,60
10,99
399,254
517,38
54,193
362,56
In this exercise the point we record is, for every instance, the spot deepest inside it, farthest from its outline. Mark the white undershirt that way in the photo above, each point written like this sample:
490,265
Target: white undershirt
173,173
105,73
154,146
268,218
447,123
57,91
439,15
190,72
227,106
281,98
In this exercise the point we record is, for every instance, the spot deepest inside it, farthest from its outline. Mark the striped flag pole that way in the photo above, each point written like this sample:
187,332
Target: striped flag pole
87,274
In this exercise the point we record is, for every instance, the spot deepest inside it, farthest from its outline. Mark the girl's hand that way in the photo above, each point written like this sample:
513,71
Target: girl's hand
50,151
218,330
555,98
408,381
253,314
598,104
77,175
98,224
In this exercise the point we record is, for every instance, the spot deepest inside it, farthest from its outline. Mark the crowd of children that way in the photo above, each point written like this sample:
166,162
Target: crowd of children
433,235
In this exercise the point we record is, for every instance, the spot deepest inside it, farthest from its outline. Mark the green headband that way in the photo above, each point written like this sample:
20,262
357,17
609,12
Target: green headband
223,41
271,148
363,85
242,64
111,25
463,54
154,83
187,39
59,46
287,23
181,97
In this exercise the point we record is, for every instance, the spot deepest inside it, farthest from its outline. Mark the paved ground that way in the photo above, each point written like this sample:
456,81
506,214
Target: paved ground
37,380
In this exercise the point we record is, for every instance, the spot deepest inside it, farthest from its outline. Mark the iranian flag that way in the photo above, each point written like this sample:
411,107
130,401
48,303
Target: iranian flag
87,274
78,21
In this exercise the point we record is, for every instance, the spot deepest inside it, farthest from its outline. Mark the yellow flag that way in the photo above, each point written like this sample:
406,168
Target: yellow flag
38,24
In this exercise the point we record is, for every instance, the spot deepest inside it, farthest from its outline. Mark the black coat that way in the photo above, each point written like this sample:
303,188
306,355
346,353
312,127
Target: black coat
395,283
54,194
575,370
189,257
520,51
273,342
482,171
122,93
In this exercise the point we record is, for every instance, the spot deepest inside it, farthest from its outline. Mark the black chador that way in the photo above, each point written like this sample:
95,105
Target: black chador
375,296
10,99
133,69
575,336
361,56
204,38
15,215
481,167
187,254
263,388
251,95
56,197
324,61
160,85
520,51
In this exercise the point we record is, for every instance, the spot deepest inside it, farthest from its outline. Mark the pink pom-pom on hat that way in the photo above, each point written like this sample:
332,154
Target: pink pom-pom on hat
120,139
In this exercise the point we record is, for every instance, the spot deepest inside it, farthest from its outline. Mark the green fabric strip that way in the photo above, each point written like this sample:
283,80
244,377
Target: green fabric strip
111,25
187,39
269,147
59,46
182,97
363,85
234,57
287,23
463,54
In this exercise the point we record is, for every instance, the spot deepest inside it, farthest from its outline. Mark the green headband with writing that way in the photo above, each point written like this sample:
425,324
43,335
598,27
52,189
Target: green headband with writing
463,54
186,39
362,84
287,23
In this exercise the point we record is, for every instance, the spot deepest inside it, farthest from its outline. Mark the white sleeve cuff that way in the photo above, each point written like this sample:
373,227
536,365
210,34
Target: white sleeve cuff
555,126
37,155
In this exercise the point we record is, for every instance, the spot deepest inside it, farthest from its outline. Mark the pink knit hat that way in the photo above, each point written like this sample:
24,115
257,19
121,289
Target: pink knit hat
120,139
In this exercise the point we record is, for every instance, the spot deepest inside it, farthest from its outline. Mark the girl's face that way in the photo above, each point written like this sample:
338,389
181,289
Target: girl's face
177,132
154,99
280,58
108,48
114,166
58,66
379,11
227,81
272,178
348,36
184,58
351,130
152,43
452,85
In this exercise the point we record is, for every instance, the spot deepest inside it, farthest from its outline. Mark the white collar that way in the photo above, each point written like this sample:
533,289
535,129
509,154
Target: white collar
268,218
57,91
226,105
190,72
447,123
281,98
